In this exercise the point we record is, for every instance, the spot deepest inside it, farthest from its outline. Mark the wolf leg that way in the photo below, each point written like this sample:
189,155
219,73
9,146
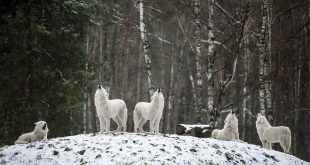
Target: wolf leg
119,123
141,123
124,119
102,124
269,146
152,126
107,124
157,125
135,120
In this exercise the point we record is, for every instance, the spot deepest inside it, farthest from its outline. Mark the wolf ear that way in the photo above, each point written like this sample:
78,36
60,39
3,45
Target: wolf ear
260,120
259,114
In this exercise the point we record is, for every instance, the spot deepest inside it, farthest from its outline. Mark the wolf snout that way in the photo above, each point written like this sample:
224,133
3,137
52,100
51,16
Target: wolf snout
99,86
158,90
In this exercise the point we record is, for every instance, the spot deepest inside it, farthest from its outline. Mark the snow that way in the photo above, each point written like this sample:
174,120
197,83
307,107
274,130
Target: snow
134,148
189,127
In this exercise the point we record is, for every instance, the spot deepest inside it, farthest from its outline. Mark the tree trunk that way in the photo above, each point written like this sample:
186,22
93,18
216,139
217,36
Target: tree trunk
139,72
264,62
210,69
245,79
198,60
171,88
85,115
100,79
146,50
304,100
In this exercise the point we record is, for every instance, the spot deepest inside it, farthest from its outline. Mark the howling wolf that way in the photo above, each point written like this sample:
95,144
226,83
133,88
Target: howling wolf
39,132
230,130
106,109
149,111
268,134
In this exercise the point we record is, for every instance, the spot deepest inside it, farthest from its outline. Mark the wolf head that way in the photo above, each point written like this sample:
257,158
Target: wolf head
101,92
41,126
157,96
231,118
261,119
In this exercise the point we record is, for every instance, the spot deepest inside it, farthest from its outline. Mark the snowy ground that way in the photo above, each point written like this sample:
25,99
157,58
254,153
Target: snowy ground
131,148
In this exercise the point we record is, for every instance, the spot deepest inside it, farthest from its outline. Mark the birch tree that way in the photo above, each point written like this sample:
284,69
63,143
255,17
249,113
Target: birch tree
246,62
198,60
210,69
146,50
264,60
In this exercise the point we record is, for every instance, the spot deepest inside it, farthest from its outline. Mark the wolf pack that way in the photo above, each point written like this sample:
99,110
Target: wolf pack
152,111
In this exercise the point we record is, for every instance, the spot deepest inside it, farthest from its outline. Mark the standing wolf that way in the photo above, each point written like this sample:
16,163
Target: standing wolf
106,109
230,130
149,111
39,132
268,134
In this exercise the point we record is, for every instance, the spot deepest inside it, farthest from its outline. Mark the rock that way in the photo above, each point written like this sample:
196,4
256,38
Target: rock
193,150
219,152
215,146
30,146
202,131
40,147
270,156
229,156
81,152
178,148
55,152
39,157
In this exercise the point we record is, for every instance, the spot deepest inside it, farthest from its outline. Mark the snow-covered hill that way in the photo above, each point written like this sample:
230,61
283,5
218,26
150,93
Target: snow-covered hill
131,148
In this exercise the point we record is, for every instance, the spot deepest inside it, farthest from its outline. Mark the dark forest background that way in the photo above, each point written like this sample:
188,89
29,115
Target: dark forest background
207,56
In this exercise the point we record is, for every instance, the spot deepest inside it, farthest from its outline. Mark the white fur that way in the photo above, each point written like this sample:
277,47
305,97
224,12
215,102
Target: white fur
106,109
38,133
268,134
230,130
149,111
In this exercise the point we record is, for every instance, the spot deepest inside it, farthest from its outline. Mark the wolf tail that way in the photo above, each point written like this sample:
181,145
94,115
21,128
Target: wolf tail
287,140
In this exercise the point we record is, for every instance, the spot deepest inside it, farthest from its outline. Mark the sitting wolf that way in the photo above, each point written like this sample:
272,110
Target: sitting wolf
230,130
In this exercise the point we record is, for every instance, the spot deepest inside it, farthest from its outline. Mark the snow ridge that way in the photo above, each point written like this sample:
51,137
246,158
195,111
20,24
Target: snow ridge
141,148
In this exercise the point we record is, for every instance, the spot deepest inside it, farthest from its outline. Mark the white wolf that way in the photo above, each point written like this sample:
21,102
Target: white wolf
39,132
149,111
106,109
268,134
230,130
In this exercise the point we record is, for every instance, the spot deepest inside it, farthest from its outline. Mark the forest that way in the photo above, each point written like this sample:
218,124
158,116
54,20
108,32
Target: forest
208,57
